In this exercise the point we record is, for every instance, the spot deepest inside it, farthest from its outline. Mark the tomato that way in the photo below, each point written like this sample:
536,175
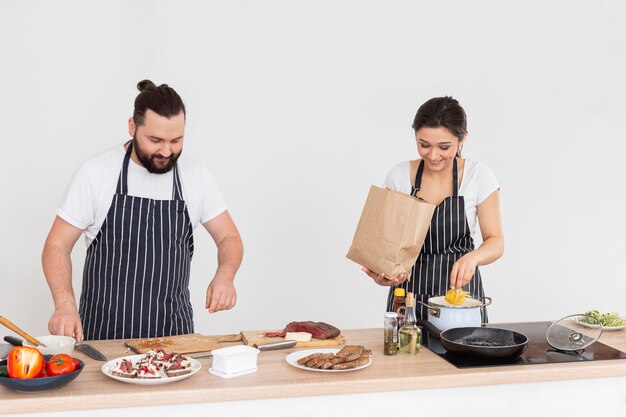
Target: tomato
24,362
76,364
60,364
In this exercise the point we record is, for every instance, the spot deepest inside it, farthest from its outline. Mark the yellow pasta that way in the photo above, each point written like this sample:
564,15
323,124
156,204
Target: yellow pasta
456,297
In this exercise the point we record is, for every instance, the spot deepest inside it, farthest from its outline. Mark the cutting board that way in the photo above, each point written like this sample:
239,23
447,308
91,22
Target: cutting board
252,337
185,343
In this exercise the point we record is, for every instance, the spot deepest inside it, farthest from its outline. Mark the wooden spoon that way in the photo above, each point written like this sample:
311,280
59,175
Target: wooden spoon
8,324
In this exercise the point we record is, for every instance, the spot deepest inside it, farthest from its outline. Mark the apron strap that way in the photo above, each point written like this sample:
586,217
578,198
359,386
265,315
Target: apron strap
177,190
418,178
455,179
122,181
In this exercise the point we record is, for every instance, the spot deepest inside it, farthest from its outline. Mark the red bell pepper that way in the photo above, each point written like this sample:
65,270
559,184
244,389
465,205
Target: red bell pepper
24,362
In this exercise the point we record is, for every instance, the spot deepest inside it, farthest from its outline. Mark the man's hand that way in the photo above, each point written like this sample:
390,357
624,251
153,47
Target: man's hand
221,294
66,322
57,267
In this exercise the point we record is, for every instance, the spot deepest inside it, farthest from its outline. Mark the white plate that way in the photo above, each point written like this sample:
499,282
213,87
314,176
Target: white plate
108,368
292,359
607,328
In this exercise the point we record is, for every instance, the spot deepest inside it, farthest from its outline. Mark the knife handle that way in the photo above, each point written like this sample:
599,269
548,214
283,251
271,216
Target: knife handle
13,340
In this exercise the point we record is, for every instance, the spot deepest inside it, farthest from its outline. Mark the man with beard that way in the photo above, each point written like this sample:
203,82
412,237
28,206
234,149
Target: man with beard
137,205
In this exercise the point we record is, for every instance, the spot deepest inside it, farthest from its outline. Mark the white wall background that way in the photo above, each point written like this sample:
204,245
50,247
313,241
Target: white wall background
297,107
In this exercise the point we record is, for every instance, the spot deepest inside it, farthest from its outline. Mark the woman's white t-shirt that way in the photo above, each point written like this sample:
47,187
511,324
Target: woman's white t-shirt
477,184
90,192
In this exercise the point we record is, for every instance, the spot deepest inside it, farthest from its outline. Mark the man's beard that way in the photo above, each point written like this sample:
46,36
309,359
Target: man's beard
148,161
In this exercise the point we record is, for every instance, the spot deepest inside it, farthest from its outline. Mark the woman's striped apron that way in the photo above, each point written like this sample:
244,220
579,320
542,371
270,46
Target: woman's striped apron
136,276
448,238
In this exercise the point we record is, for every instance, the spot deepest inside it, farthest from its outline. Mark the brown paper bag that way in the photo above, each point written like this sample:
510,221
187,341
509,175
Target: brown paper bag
391,232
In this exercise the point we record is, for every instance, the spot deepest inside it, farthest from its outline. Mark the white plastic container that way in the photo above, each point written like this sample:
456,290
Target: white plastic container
234,360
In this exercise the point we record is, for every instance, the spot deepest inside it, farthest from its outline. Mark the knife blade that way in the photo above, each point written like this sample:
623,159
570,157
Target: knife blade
91,351
282,344
201,355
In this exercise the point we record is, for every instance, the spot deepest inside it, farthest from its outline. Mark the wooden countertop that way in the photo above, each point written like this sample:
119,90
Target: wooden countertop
275,378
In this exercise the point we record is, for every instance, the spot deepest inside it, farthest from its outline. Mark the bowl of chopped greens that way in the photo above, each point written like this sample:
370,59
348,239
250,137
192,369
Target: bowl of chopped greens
609,321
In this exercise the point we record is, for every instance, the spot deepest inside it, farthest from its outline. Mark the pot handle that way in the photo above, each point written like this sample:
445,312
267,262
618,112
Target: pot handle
486,301
433,311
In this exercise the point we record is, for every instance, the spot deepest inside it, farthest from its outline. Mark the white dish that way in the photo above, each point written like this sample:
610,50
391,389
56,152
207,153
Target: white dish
607,328
108,368
54,344
292,359
227,376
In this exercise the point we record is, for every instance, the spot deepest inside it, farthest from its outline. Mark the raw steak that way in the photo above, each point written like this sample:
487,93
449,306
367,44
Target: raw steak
318,329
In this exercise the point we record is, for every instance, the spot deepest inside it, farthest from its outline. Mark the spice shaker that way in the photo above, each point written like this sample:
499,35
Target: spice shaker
390,346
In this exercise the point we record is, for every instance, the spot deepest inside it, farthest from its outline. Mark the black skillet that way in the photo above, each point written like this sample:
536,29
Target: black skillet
485,342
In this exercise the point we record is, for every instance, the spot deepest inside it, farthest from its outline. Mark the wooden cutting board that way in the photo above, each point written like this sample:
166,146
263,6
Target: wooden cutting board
252,337
185,343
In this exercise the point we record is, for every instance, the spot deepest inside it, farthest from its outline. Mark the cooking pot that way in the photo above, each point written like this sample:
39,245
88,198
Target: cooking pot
444,315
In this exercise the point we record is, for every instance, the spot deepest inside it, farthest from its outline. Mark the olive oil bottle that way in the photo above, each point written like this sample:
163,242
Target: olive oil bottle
409,335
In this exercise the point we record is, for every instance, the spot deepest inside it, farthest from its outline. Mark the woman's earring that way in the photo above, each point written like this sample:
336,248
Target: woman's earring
458,151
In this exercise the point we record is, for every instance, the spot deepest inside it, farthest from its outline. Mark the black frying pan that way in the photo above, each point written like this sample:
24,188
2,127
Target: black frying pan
486,342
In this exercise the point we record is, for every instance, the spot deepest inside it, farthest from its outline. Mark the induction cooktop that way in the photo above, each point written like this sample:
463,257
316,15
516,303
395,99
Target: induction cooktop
538,351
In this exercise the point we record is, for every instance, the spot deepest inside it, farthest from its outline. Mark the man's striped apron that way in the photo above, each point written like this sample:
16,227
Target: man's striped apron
136,276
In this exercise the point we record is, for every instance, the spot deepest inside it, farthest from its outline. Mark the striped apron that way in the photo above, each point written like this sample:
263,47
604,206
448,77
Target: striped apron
136,276
448,238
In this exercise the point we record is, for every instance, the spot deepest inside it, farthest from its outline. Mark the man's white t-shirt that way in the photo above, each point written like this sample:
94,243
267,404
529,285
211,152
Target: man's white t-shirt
90,192
477,184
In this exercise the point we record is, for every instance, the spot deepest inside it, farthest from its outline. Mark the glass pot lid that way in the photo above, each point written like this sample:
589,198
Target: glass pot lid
574,332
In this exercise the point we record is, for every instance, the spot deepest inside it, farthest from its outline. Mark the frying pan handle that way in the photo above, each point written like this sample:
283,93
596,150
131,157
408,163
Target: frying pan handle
486,301
431,327
433,311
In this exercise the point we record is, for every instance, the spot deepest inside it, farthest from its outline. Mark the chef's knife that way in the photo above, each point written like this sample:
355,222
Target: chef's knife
283,344
91,351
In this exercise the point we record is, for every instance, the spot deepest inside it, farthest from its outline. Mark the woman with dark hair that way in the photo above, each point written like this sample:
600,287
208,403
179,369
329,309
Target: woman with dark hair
466,194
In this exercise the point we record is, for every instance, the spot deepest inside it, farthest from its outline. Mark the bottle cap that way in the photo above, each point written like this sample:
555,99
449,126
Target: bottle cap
391,315
399,292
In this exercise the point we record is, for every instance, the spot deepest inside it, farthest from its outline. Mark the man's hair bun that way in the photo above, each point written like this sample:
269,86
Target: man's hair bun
145,85
162,100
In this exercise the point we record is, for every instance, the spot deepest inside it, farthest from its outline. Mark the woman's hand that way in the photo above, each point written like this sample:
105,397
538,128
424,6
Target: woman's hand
463,271
381,279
